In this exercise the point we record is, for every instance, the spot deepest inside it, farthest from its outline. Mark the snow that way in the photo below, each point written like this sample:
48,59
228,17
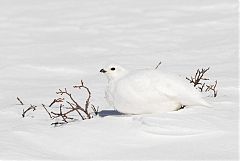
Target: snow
47,45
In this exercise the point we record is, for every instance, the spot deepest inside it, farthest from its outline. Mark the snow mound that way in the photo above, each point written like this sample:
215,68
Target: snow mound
179,123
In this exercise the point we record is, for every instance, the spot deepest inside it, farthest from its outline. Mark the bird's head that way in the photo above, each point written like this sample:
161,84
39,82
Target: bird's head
113,72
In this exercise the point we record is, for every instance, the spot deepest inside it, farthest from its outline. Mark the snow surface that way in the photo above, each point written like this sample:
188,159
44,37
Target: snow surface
46,45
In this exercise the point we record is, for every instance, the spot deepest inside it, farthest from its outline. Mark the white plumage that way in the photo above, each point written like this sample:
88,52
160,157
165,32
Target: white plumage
148,91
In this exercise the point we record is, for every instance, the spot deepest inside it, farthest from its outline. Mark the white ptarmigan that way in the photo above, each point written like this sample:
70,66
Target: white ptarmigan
148,91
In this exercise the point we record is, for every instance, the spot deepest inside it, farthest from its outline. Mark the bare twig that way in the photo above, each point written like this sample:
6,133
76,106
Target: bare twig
20,101
70,96
76,109
158,65
47,111
64,116
88,98
212,88
61,114
57,123
56,101
32,107
75,106
198,77
201,87
72,106
95,110
75,103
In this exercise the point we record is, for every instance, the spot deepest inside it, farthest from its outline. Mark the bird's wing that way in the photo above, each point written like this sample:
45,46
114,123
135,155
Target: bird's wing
178,89
152,85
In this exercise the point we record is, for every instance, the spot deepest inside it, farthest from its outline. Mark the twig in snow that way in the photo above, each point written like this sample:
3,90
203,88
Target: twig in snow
158,65
64,116
32,107
73,106
201,87
47,111
95,110
56,101
20,101
198,77
212,88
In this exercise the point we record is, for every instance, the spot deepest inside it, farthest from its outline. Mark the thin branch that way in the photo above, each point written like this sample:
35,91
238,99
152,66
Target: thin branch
32,107
88,98
70,96
57,123
158,65
95,110
201,87
73,106
76,109
212,88
63,115
47,111
20,101
56,101
198,77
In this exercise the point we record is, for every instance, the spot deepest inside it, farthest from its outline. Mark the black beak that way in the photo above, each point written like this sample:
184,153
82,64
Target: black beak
103,71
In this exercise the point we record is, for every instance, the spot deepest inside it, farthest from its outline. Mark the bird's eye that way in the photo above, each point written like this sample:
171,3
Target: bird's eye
113,69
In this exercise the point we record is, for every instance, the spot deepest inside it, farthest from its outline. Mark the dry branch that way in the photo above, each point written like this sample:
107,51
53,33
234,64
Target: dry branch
201,88
32,107
76,109
72,105
57,123
20,101
198,77
95,110
158,65
47,111
88,98
56,101
64,116
212,88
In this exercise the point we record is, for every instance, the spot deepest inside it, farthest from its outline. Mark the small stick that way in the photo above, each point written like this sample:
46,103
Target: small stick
20,101
47,111
32,107
57,123
213,88
198,77
73,108
95,110
87,102
158,65
56,100
201,88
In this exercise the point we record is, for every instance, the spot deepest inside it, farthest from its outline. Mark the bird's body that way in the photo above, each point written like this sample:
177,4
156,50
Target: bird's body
149,91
